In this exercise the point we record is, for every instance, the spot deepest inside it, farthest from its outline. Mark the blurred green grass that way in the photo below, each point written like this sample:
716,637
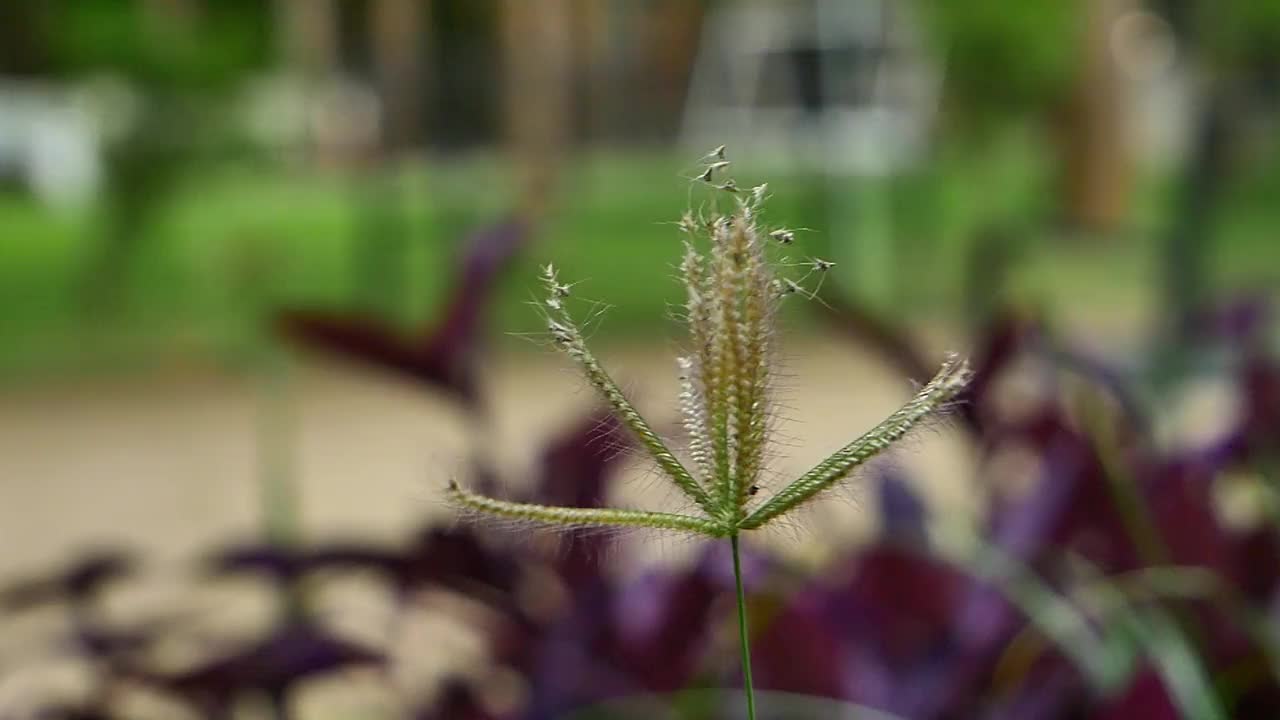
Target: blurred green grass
230,246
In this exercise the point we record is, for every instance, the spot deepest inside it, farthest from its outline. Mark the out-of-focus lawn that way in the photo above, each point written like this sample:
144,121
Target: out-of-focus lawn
231,244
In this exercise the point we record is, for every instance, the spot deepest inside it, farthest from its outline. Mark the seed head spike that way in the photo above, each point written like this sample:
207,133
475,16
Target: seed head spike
732,295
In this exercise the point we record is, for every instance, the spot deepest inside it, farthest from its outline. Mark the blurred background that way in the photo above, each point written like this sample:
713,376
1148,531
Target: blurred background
264,272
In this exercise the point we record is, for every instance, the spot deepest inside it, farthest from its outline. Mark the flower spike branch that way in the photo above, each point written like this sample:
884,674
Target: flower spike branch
566,334
582,517
733,288
949,381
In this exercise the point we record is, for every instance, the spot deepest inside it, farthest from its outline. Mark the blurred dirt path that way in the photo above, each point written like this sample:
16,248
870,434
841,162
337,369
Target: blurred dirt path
169,464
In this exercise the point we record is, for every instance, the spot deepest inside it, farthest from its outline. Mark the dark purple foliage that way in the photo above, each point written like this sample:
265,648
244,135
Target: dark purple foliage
455,558
442,356
114,644
280,564
77,584
574,466
902,513
921,640
72,712
573,472
647,635
273,666
456,701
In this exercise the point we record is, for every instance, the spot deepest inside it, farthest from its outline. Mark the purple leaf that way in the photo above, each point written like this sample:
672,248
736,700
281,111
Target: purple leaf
898,603
486,255
574,472
1072,506
649,635
796,650
457,558
454,558
455,701
79,583
903,516
274,666
70,712
663,645
281,564
575,466
443,356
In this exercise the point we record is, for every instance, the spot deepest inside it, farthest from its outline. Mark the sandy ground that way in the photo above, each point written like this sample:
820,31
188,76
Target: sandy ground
172,464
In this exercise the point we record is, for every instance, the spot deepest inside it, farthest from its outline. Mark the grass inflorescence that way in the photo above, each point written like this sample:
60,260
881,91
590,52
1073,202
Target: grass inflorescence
734,273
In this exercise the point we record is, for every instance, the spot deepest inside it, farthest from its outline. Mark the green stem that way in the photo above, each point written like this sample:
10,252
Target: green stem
742,631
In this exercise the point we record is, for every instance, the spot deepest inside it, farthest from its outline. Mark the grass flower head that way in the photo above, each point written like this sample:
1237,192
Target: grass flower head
733,289
734,285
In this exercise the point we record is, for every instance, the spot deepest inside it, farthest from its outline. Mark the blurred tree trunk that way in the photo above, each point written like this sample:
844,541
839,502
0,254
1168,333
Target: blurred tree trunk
398,43
536,93
23,37
1095,152
308,35
396,36
593,31
672,30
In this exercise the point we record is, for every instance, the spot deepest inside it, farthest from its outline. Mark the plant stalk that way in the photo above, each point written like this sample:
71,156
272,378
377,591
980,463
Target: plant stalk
742,630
